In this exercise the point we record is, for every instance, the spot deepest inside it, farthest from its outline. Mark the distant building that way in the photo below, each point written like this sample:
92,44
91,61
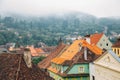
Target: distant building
73,62
100,40
107,67
36,52
3,50
116,47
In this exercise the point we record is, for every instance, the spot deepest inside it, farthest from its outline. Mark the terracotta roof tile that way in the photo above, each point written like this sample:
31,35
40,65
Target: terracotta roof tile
39,50
46,62
116,44
95,38
10,67
58,60
53,69
35,51
74,49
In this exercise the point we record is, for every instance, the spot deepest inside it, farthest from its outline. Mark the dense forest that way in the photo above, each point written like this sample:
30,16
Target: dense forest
48,29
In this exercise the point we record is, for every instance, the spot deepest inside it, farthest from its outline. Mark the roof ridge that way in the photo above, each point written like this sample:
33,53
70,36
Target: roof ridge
114,55
18,68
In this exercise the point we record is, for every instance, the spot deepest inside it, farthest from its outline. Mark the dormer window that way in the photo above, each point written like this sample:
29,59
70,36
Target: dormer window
107,44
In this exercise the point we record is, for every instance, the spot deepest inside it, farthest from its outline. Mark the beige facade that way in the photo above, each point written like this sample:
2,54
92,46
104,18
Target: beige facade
103,73
107,67
104,43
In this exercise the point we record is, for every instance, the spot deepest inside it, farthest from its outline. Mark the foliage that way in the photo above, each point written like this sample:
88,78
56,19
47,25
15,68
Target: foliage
48,29
37,60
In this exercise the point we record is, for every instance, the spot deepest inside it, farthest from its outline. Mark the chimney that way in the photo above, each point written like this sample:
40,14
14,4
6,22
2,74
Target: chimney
85,53
27,58
80,45
87,37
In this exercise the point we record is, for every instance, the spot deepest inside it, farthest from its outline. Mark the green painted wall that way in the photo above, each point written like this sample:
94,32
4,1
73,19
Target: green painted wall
78,78
76,68
64,68
57,77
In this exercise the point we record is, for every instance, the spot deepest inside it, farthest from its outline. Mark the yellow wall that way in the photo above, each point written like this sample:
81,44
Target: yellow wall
116,50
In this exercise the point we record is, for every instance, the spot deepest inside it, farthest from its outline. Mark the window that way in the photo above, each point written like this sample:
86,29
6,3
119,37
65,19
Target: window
93,77
115,50
107,44
118,51
81,69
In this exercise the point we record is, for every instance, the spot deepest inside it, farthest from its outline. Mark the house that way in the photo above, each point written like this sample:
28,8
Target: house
107,67
100,40
19,67
116,47
35,52
73,63
44,64
3,50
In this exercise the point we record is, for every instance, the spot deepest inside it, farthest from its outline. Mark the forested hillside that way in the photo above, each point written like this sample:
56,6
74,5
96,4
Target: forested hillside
48,29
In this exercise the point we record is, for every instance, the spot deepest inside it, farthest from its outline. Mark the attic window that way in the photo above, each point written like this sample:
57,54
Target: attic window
107,59
107,44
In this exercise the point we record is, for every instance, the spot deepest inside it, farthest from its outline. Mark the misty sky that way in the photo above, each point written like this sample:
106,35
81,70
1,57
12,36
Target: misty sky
99,8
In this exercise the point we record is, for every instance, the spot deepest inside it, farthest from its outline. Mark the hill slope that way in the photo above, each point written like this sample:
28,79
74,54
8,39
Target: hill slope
48,29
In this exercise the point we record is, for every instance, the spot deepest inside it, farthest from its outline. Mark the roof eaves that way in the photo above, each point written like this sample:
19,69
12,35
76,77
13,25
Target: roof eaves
114,55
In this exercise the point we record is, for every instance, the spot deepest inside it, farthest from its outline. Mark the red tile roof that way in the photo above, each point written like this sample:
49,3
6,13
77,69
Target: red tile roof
39,50
13,67
95,38
117,43
35,51
47,61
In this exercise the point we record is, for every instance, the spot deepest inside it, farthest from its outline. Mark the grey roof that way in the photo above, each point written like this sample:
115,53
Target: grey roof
114,55
3,50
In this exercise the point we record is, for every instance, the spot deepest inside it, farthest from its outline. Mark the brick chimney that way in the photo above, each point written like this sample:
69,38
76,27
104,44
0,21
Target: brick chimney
27,58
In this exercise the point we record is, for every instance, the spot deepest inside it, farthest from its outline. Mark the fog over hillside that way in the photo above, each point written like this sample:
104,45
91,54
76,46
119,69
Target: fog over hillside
48,29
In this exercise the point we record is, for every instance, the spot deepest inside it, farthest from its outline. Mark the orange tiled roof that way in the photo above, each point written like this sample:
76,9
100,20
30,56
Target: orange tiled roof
58,60
95,38
74,49
93,48
53,69
33,51
39,50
